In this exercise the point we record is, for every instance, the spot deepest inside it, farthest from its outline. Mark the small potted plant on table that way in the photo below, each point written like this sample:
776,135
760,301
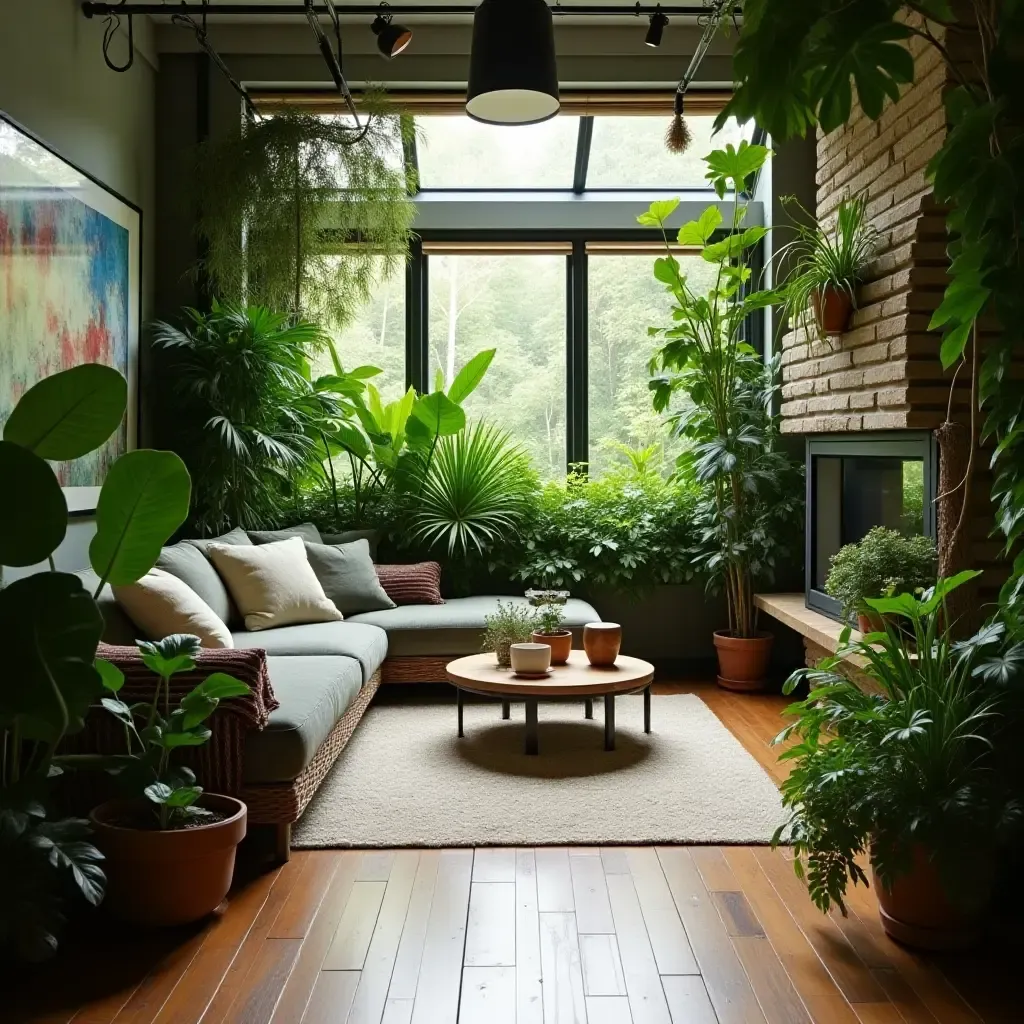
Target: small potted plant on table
910,775
882,563
550,606
510,624
170,850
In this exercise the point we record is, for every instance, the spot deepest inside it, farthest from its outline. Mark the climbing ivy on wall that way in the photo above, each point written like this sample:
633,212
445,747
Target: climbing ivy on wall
801,63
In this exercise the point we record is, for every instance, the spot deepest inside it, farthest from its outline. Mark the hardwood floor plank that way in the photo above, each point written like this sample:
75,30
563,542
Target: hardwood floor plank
397,1011
355,929
375,866
724,977
375,979
736,914
877,1013
332,997
614,860
529,993
664,925
491,930
608,1010
320,936
779,1001
410,948
300,908
602,966
554,881
714,869
903,997
643,984
688,1000
494,864
813,983
264,983
590,896
437,991
488,996
561,970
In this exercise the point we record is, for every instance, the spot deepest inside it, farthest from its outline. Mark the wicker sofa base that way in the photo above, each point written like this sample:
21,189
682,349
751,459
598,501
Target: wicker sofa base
425,668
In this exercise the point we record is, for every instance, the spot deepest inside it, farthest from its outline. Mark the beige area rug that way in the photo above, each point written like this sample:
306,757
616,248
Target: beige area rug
405,779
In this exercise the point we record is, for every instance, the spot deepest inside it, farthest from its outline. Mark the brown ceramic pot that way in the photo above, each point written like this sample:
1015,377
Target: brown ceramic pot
870,622
832,309
167,878
601,641
917,910
743,661
560,644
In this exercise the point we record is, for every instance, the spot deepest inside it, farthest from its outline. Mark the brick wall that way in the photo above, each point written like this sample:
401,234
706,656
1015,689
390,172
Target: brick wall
884,373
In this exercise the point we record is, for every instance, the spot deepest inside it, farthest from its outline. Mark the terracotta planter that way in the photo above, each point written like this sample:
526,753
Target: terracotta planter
832,309
167,878
870,622
560,644
918,912
743,661
601,641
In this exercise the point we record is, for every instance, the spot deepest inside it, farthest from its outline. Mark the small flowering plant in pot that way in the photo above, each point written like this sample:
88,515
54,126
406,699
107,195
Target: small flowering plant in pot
169,830
550,605
510,624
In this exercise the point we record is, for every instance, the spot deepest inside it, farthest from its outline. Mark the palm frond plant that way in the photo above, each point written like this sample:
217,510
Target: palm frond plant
303,212
827,263
908,776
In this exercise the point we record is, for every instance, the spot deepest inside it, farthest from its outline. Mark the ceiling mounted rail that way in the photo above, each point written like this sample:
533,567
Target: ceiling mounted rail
93,8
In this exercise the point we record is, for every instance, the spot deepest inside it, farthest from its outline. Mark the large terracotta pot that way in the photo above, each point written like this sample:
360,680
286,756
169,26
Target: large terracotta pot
832,308
870,622
167,878
918,912
560,644
601,641
743,661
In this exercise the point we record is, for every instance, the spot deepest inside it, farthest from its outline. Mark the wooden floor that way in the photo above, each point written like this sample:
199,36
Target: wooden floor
525,936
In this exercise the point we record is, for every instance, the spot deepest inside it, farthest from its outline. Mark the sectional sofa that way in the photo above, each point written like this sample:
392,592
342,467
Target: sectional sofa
324,676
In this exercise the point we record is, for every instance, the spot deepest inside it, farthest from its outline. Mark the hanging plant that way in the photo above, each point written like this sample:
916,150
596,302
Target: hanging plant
306,212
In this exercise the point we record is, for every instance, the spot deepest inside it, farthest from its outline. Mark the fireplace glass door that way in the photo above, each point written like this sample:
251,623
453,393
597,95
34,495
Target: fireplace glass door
854,484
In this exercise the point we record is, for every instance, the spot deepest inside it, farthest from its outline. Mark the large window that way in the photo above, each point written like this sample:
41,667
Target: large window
514,303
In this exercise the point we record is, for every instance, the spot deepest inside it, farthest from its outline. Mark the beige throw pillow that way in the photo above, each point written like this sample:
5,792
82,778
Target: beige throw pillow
160,604
273,584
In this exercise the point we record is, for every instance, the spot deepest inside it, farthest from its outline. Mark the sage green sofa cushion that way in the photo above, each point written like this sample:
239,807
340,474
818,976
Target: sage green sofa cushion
364,643
455,627
314,693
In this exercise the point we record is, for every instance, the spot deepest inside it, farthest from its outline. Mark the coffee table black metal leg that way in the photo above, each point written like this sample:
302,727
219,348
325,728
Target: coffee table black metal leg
609,722
506,710
532,745
588,708
461,732
647,709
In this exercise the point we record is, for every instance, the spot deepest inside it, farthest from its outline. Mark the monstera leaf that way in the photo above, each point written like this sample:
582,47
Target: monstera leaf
69,414
144,500
33,512
49,629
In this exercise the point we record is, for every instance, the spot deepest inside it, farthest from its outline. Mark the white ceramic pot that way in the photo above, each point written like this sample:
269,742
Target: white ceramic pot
530,659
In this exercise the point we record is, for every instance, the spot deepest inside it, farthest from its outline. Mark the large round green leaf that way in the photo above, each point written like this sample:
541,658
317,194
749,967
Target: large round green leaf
33,512
49,629
144,500
439,414
69,414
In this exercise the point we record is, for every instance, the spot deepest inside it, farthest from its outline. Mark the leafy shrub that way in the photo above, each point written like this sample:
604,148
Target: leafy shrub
511,624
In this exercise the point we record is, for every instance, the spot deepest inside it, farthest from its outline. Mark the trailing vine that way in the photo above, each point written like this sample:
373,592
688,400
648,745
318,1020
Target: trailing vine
799,63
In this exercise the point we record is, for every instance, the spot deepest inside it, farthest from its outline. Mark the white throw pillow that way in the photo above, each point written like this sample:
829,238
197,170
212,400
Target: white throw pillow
160,604
273,584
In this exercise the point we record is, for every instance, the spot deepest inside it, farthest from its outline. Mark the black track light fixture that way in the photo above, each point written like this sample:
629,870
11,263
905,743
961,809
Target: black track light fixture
392,39
657,27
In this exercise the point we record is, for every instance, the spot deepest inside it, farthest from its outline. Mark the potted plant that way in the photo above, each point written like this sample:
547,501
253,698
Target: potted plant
510,624
827,265
749,505
908,775
550,605
169,830
884,562
50,626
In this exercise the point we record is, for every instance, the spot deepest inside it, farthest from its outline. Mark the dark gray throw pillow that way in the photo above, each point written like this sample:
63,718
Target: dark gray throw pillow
348,577
372,537
233,616
307,531
195,570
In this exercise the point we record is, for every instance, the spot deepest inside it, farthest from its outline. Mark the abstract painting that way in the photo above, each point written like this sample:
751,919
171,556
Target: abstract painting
69,287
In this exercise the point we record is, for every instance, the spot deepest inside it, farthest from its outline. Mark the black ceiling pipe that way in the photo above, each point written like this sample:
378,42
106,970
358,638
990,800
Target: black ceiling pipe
513,74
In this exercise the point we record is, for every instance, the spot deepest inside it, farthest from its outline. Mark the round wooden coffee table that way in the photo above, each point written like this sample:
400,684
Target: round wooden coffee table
480,674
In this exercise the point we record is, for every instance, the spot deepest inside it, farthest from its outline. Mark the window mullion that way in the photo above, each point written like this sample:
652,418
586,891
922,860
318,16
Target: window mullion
576,379
579,181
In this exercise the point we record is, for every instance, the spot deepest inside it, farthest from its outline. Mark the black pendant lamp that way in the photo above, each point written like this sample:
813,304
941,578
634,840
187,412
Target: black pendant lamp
513,75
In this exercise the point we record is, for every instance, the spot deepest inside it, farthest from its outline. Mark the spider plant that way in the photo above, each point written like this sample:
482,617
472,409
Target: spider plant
913,766
824,260
473,491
